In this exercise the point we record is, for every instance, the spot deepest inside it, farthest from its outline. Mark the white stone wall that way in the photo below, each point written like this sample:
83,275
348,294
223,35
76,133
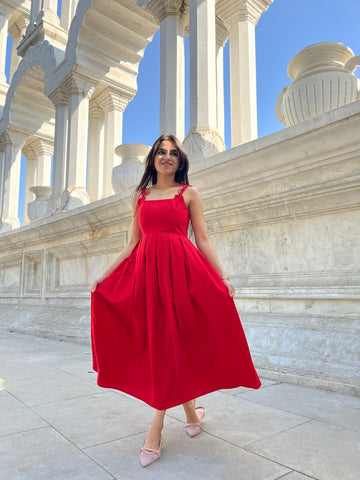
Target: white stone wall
284,215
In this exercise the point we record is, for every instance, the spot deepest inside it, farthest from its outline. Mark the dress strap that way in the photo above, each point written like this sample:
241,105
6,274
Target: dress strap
183,189
180,193
141,198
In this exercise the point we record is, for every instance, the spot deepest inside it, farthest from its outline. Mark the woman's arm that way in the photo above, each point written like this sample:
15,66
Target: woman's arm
202,239
125,252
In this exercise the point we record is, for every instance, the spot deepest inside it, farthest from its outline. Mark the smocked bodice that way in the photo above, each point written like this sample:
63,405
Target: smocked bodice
168,215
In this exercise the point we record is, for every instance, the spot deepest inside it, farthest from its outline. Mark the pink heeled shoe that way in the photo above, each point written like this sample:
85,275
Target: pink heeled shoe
193,429
148,456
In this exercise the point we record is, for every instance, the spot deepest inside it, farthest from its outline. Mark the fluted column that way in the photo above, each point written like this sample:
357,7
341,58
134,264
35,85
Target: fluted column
241,17
60,101
203,138
13,142
79,91
95,181
221,38
170,14
113,103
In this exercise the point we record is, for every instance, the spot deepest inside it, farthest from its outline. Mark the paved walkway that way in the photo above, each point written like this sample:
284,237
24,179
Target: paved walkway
56,423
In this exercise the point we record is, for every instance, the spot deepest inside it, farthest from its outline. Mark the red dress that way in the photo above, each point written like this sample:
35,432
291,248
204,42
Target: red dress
164,328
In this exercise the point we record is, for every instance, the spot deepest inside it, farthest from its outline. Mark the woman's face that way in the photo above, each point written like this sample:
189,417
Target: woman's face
167,158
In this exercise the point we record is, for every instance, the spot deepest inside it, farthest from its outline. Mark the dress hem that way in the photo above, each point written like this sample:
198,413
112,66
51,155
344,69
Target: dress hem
199,393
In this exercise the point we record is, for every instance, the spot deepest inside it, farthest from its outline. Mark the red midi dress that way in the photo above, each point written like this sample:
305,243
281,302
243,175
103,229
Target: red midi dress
164,328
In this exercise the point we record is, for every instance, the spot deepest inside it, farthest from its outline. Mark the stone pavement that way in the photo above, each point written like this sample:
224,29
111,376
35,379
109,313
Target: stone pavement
56,423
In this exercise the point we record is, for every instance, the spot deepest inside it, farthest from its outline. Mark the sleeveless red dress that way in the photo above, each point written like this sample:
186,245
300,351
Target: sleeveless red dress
164,328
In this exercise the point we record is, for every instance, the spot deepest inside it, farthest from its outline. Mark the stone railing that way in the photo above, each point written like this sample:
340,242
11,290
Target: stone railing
283,213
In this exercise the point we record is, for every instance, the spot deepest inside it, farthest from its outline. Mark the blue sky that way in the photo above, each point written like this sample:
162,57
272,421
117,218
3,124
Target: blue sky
287,27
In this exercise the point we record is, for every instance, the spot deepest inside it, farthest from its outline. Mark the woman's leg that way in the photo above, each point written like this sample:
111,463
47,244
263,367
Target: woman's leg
190,412
153,437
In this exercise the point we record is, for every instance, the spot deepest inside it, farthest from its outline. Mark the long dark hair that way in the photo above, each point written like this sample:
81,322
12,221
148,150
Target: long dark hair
150,174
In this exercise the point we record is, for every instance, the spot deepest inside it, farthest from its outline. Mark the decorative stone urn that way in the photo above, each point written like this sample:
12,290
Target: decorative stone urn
38,207
128,174
323,80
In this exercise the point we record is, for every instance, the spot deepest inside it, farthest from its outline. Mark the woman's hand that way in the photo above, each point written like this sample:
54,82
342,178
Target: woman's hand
230,287
96,283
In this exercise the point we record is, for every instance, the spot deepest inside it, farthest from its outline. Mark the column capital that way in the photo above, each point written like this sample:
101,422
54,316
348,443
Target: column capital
28,152
164,8
222,33
95,111
113,99
75,84
14,30
41,146
13,137
233,11
58,97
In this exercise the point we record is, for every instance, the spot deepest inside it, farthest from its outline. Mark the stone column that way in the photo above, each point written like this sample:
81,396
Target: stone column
203,139
68,8
30,156
113,103
2,167
95,181
49,5
221,38
17,28
13,142
79,91
241,17
4,14
15,33
60,101
170,14
43,150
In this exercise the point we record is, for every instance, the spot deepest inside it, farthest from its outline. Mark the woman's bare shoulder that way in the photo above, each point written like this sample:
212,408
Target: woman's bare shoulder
193,190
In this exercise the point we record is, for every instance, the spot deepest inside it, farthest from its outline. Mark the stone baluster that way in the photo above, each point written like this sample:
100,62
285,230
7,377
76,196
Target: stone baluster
79,91
203,138
13,142
95,181
60,101
241,18
113,103
221,37
170,14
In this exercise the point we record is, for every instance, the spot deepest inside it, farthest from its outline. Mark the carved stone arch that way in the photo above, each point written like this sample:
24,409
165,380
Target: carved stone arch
28,83
107,45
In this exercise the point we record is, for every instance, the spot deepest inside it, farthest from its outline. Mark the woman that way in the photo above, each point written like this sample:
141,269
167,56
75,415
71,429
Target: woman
164,324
